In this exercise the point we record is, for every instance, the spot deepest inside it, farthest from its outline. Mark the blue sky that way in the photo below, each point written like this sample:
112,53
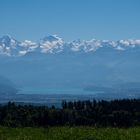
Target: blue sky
70,19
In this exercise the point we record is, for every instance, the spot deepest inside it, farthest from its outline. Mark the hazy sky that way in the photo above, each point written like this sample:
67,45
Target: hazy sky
70,19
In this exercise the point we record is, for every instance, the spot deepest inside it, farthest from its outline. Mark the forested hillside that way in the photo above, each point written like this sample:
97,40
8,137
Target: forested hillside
116,113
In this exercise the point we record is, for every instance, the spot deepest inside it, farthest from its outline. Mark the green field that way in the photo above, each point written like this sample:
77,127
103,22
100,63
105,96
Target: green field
68,133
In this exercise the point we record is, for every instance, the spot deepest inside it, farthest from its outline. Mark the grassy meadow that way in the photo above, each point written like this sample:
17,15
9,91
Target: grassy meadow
69,133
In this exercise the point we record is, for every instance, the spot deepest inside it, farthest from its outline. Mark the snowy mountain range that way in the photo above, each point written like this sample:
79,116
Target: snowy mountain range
52,64
54,44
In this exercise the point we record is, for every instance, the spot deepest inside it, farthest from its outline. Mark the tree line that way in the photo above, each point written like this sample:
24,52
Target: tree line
115,113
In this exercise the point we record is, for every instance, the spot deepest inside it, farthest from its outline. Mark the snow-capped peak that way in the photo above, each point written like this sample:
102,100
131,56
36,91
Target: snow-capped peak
52,38
11,47
8,41
6,38
51,44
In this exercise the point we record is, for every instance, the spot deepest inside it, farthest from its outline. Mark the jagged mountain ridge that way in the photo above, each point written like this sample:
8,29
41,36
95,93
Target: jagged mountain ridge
54,44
